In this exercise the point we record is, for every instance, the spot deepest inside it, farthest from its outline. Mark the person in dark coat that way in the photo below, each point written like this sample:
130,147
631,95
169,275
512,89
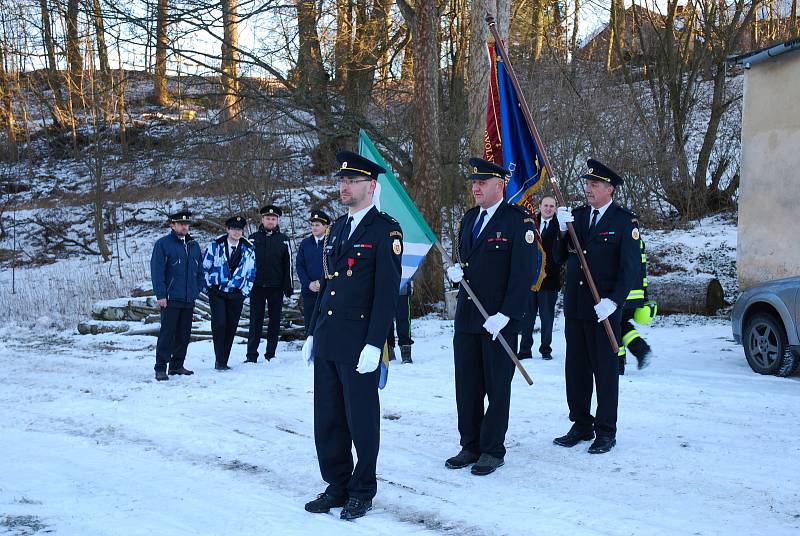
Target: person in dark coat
273,282
543,301
496,257
229,265
309,263
356,304
609,237
177,281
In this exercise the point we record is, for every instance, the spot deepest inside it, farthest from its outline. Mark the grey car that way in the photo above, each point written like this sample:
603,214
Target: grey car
765,321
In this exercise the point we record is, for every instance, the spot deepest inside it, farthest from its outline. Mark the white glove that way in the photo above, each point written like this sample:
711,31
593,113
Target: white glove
369,359
564,216
455,273
308,348
604,309
495,323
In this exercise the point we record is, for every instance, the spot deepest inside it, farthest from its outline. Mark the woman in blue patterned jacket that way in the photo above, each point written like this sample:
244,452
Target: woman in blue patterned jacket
229,266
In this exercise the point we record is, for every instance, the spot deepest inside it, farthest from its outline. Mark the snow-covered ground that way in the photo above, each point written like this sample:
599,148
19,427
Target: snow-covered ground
92,445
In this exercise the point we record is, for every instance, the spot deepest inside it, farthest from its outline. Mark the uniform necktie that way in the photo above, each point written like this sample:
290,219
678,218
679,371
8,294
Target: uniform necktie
595,213
476,229
345,232
544,227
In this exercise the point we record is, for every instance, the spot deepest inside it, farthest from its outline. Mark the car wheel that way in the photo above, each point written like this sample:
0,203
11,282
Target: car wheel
766,347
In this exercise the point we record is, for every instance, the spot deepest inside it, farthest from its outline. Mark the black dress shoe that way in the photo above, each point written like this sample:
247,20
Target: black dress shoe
324,502
547,357
487,464
524,356
221,367
180,371
461,460
248,360
405,354
355,508
161,375
574,436
602,445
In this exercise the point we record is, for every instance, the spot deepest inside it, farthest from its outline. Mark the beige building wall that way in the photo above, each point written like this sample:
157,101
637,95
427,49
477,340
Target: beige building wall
769,194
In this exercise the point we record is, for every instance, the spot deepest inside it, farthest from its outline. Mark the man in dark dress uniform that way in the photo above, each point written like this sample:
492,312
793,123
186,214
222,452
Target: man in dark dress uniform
348,329
609,236
309,263
273,282
543,302
496,257
177,277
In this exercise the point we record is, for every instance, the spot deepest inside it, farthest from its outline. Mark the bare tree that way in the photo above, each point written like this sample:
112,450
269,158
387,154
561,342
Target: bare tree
160,93
230,61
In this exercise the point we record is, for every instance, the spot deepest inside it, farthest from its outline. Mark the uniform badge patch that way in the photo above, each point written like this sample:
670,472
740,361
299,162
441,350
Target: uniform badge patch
397,247
635,233
396,233
529,237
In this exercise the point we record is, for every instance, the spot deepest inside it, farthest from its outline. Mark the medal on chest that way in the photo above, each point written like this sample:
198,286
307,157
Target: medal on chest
350,263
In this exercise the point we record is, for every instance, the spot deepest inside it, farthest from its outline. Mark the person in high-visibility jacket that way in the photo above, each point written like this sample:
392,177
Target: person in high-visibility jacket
637,309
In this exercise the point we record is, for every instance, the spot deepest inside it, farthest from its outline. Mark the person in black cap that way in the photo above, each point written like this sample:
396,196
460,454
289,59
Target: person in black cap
177,281
348,329
273,282
496,255
229,265
609,237
309,263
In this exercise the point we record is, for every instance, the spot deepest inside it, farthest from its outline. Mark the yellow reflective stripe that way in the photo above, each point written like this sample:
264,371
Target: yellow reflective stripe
636,295
644,258
630,336
621,352
644,282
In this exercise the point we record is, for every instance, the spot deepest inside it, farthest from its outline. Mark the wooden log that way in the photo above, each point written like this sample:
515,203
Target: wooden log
682,292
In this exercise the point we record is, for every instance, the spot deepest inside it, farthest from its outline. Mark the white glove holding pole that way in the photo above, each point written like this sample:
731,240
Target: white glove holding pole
495,323
564,216
455,273
308,348
369,359
604,309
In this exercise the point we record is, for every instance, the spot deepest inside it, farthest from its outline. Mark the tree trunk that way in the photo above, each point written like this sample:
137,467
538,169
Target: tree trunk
230,61
343,40
7,104
477,74
573,43
160,93
686,293
99,226
53,79
312,86
74,58
102,49
426,181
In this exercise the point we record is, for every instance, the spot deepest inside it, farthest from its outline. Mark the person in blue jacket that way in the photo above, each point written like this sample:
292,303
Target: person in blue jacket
229,265
177,280
309,263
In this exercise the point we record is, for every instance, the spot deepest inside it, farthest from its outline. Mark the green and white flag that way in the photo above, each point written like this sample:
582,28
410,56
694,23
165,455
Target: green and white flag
391,197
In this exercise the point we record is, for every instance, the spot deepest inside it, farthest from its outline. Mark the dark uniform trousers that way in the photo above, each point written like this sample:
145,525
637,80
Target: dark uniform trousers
590,357
309,302
403,321
499,267
173,337
270,298
226,309
350,417
482,366
542,302
355,307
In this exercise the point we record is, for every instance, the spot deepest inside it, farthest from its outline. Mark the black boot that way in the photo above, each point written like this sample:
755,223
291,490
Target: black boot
486,464
641,350
405,353
220,366
575,435
355,508
602,445
324,502
180,371
461,460
161,375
